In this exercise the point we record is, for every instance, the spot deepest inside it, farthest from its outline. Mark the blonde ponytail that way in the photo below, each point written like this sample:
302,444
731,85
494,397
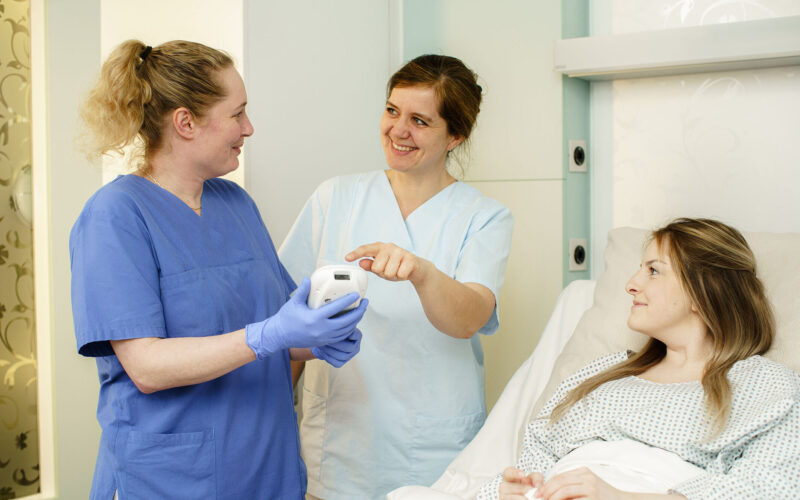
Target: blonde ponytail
139,86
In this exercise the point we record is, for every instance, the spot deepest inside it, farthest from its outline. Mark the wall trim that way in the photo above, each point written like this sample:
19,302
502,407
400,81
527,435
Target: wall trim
43,273
741,45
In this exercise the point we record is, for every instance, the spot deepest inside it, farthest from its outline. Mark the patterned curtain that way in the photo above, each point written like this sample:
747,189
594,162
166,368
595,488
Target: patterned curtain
19,446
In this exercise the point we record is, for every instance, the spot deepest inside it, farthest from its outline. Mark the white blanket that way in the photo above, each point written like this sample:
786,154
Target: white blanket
628,466
498,443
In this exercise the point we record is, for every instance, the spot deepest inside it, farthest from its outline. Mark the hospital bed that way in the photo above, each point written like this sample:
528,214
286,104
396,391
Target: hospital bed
589,320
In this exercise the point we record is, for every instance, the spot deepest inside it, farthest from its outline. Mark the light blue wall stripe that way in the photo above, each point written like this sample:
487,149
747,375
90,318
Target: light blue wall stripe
575,103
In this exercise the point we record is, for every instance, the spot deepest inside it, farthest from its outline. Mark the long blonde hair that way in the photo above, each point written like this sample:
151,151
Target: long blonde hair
717,269
139,86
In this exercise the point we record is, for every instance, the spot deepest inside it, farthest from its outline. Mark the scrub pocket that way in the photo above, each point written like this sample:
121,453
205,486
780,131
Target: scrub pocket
175,466
191,305
437,441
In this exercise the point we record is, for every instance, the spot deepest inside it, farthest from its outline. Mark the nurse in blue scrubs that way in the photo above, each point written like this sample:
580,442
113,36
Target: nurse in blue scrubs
178,293
437,250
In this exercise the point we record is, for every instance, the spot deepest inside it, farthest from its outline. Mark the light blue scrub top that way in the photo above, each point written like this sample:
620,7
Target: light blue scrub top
400,411
145,265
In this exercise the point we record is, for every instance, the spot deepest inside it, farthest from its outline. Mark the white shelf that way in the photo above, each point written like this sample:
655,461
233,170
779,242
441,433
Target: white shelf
698,49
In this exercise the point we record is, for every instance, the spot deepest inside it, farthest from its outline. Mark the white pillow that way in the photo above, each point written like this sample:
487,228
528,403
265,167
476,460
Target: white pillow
603,329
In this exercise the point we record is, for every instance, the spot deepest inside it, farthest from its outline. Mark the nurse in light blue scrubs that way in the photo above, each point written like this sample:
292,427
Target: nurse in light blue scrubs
179,295
437,249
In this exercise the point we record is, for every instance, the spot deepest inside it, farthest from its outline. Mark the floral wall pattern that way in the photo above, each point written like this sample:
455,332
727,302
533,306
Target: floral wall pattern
19,448
705,144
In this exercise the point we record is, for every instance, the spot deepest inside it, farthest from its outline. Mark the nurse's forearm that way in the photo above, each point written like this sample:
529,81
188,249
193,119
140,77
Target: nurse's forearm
300,354
155,364
454,308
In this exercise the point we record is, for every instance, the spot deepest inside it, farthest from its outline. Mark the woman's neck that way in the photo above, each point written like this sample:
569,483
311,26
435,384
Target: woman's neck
176,178
684,361
412,189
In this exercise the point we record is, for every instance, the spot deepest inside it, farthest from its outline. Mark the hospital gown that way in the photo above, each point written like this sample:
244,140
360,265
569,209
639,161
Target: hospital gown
757,456
145,265
402,409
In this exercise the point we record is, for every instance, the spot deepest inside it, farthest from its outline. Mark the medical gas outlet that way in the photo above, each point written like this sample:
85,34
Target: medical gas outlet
578,254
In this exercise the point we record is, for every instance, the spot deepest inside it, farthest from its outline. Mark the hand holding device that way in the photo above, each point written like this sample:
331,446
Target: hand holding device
296,325
331,282
339,353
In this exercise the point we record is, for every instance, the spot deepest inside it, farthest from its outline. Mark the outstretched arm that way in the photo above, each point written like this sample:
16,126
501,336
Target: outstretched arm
454,308
155,364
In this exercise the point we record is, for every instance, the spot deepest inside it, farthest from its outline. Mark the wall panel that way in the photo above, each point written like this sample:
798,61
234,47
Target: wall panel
533,279
316,75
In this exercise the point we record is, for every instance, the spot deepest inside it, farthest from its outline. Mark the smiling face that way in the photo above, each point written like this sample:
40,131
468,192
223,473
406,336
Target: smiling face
661,308
221,132
413,133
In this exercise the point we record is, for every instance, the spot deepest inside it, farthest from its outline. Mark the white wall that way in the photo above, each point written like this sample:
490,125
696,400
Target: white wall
713,144
155,21
315,74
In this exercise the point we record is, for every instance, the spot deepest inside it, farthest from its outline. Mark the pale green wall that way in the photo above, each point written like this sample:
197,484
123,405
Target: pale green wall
422,28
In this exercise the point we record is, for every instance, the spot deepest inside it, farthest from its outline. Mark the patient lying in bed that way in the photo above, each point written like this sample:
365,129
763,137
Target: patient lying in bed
697,413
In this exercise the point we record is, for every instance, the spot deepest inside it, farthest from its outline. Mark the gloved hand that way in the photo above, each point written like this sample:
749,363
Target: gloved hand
339,353
295,325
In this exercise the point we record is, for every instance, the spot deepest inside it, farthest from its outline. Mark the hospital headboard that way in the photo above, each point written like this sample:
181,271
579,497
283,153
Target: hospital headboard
603,329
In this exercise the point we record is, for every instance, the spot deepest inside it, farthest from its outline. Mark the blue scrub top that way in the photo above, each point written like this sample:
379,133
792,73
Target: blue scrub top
400,411
144,264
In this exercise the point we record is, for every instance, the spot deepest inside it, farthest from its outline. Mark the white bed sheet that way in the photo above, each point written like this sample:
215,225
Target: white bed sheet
497,444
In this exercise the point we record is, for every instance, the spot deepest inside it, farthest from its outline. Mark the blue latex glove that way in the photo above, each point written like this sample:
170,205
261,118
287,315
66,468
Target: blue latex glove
295,325
339,353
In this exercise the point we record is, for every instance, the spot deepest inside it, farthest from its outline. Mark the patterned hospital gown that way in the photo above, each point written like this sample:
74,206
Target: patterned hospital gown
756,456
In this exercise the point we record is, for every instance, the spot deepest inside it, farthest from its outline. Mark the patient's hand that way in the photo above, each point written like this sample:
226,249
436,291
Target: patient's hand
579,483
515,484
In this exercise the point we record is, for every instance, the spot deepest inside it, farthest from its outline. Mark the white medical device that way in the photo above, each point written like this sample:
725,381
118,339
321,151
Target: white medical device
328,283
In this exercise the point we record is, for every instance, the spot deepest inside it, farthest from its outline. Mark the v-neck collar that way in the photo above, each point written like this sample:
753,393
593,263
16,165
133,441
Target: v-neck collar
422,207
175,199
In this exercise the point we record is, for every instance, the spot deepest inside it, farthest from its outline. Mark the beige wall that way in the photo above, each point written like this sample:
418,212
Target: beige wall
516,152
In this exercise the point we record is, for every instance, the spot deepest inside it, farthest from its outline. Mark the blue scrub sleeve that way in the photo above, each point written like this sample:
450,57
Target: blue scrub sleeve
484,255
115,278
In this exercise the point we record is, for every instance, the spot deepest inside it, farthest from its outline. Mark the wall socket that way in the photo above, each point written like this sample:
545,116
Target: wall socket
578,156
578,254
